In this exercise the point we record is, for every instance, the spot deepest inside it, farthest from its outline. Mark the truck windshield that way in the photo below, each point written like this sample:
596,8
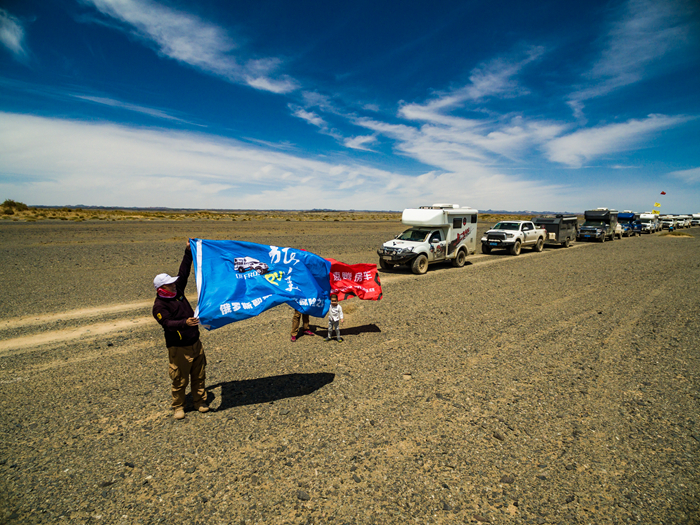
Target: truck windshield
594,223
507,226
645,221
413,235
625,221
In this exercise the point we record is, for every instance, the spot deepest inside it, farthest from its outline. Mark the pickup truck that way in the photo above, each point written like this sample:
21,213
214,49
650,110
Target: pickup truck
599,225
513,235
438,233
626,220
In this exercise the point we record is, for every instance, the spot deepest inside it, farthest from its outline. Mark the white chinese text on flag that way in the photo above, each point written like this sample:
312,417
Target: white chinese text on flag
237,280
355,280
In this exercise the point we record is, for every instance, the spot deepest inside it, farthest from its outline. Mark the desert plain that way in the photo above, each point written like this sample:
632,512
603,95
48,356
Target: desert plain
560,387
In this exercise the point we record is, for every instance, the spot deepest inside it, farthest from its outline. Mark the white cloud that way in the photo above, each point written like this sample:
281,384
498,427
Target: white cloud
309,116
647,30
576,148
126,105
691,176
198,43
360,142
12,35
494,78
111,165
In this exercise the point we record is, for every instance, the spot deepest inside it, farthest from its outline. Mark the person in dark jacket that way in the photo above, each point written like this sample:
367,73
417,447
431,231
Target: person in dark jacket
187,360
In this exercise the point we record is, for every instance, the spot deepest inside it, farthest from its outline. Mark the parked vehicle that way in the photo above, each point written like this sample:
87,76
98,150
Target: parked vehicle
626,220
695,221
648,223
513,235
600,224
561,229
683,221
441,232
668,222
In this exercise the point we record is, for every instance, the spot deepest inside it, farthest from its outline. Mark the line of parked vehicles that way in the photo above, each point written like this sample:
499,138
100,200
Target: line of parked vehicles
446,232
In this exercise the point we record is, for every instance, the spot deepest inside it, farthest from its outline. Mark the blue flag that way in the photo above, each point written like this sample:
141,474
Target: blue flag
237,280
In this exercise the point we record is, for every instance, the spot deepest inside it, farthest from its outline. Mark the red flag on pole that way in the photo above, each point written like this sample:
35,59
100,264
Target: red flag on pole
663,193
355,280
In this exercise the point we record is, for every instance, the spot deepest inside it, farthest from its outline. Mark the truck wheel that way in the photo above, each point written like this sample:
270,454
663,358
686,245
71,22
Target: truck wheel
602,239
539,246
459,259
385,265
612,237
420,264
485,248
567,243
515,249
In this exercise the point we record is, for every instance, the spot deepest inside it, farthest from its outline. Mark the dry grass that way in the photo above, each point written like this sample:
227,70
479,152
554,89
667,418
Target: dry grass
83,214
675,234
80,215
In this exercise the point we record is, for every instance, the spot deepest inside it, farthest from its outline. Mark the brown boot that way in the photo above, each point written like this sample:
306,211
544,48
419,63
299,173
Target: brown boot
179,413
203,408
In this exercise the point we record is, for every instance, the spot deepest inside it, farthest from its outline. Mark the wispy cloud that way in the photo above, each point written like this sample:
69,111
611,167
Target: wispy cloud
360,142
581,146
157,113
106,164
646,31
188,39
12,35
691,176
493,79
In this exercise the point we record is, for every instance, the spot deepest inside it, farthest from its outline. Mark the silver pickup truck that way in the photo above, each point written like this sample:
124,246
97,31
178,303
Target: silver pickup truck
513,235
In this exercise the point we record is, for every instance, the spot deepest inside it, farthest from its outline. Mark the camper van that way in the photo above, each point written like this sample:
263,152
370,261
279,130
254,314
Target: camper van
600,224
648,223
626,219
441,232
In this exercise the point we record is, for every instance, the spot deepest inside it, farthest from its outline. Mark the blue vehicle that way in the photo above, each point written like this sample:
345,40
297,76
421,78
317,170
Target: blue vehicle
627,220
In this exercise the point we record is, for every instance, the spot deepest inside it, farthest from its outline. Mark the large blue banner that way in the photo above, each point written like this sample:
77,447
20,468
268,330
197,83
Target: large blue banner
237,280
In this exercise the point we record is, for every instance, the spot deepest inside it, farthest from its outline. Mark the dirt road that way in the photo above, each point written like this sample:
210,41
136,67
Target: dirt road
554,387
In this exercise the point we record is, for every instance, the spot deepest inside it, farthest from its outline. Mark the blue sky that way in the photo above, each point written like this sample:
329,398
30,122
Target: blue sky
365,105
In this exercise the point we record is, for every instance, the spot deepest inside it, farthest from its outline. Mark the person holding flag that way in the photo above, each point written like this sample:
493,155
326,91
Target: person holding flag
187,360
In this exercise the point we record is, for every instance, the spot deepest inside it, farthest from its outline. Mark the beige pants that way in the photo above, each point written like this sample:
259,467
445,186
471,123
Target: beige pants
295,322
186,362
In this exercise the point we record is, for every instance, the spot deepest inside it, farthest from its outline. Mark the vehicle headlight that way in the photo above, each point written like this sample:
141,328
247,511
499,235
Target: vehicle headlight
509,235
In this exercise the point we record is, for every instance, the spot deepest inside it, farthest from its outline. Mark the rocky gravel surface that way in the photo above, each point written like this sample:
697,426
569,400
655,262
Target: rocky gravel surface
559,387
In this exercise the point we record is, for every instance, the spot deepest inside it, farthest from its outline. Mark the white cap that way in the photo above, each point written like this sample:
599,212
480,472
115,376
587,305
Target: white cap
163,278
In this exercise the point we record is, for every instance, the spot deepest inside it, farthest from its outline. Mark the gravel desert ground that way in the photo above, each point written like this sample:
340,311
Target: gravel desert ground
560,387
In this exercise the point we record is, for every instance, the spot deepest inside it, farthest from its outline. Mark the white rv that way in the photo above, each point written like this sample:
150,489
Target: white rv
649,223
441,232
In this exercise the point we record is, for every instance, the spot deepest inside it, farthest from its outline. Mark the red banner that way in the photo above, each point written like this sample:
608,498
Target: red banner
355,280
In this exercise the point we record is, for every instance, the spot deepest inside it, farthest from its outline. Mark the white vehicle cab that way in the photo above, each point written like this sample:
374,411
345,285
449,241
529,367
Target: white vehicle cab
649,223
513,235
668,222
441,232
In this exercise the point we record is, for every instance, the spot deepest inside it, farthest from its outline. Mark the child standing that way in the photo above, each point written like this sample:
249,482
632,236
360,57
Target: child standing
335,317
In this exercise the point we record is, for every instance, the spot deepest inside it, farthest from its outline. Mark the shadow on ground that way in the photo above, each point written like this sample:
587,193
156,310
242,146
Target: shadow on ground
266,389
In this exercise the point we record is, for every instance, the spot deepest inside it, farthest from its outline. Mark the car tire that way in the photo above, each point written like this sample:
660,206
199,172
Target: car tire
566,243
420,264
385,265
459,259
539,246
485,248
602,239
515,249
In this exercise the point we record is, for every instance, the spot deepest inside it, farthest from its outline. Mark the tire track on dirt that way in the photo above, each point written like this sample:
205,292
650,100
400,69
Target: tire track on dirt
24,344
